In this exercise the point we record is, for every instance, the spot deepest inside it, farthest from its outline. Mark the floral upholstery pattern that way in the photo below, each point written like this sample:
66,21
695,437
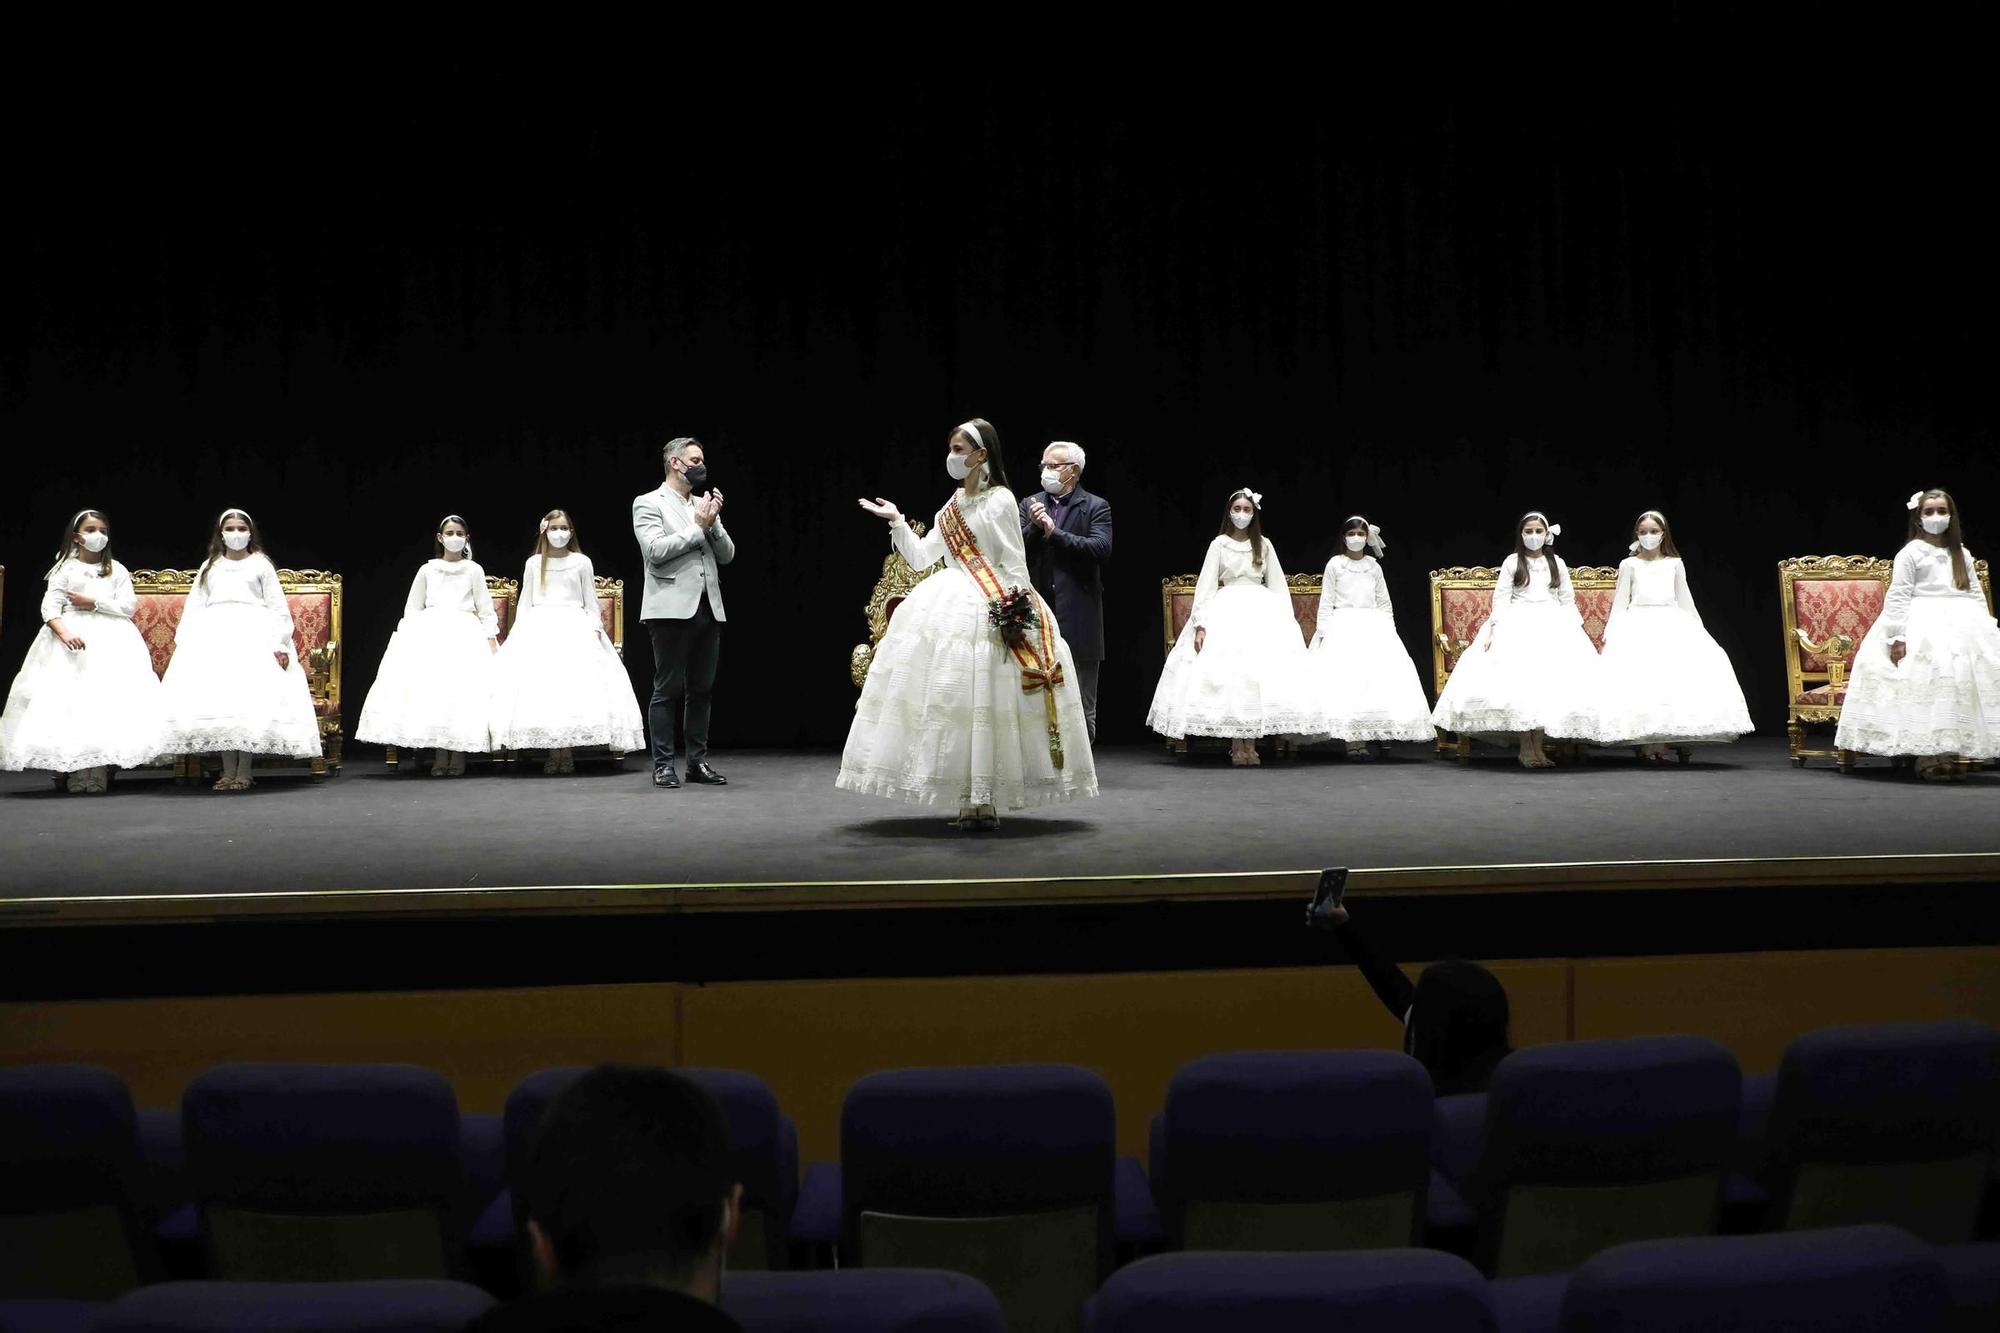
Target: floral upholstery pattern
1462,611
157,616
1305,610
1595,606
503,608
1825,607
312,620
607,611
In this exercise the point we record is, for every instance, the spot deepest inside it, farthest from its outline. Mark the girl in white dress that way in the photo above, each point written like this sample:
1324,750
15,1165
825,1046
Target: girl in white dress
1926,678
1531,672
1239,667
234,686
1368,686
86,699
436,679
558,682
1666,682
955,710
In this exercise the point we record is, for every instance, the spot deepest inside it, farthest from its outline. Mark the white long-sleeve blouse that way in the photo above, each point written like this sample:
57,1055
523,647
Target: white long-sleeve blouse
251,581
571,582
113,595
1661,581
1228,563
1536,589
1923,570
453,585
1353,585
993,517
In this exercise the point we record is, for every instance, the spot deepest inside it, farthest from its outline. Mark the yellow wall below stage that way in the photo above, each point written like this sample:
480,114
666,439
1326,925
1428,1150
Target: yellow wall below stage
811,1039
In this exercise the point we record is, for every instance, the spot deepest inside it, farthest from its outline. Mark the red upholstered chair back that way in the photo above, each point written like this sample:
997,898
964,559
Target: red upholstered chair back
1462,598
1177,604
1594,604
158,613
611,610
506,595
1846,605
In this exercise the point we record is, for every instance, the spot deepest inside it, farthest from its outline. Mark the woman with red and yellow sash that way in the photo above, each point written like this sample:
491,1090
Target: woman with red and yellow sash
969,700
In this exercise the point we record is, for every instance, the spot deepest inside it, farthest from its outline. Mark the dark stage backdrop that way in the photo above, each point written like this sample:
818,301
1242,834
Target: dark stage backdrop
351,295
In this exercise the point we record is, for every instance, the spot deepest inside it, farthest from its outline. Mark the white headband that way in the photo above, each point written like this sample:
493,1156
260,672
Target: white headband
971,432
227,512
1375,542
1256,500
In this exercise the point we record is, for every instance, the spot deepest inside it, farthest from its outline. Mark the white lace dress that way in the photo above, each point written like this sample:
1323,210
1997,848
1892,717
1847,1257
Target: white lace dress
435,683
1368,686
942,719
1943,698
1531,666
1665,679
99,706
224,687
558,681
1250,677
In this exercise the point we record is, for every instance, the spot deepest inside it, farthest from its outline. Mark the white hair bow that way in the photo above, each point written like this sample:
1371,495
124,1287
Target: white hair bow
1255,499
1916,498
1555,530
544,527
1633,548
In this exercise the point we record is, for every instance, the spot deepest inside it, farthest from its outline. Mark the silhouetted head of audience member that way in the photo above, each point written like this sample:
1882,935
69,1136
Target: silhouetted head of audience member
629,1185
1458,1026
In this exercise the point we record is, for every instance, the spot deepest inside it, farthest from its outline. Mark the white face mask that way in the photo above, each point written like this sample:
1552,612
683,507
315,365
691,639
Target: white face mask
1649,541
94,542
958,465
1052,480
1934,524
1533,540
558,537
1355,541
452,544
236,540
1241,521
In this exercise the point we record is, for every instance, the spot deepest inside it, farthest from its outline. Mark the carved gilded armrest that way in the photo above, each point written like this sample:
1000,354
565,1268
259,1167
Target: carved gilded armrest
1838,650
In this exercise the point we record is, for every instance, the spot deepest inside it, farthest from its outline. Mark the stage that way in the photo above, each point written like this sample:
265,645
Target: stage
377,878
779,835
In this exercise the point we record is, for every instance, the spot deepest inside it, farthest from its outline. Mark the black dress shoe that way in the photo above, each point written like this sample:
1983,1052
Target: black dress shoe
703,773
665,776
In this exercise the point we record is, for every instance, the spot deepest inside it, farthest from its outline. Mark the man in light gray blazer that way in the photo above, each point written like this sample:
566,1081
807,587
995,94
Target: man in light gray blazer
681,537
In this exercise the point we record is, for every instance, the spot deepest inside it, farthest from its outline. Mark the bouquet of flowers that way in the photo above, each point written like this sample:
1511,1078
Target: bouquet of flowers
1013,614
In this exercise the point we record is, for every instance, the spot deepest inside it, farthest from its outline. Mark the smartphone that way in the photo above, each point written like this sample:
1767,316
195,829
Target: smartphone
1332,887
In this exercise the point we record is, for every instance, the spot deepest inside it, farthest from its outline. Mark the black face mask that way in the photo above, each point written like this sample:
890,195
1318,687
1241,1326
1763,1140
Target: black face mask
696,478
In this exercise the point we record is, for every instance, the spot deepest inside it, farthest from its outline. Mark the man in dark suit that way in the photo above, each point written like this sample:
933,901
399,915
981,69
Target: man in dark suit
1067,531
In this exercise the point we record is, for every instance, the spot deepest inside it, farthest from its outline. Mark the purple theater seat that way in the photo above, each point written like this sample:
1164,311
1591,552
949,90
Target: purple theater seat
1005,1172
1592,1143
33,1316
1374,1291
1851,1280
862,1300
307,1172
1295,1150
1974,1274
394,1306
72,1185
764,1145
1896,1123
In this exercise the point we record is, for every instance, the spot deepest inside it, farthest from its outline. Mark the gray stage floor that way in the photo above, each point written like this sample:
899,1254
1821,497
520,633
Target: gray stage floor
781,820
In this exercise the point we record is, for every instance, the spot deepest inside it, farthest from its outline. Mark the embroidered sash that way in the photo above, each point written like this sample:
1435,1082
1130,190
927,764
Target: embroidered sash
1035,654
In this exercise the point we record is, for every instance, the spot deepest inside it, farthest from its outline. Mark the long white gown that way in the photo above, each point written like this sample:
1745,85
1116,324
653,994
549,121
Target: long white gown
942,718
1943,698
1531,666
1665,679
1250,677
224,687
1368,686
558,682
100,706
435,685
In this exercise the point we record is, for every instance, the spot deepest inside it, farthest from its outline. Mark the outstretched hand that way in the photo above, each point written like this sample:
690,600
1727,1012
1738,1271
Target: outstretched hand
881,508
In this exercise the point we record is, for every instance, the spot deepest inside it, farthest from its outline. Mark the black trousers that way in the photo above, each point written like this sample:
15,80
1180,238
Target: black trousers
685,653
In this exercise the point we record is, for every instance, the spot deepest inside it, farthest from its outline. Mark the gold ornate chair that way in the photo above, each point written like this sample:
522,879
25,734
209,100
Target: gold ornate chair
505,594
314,596
1828,603
891,588
1461,599
1177,604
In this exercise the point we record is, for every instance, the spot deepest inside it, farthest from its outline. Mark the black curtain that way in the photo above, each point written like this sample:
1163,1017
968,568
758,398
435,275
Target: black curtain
358,292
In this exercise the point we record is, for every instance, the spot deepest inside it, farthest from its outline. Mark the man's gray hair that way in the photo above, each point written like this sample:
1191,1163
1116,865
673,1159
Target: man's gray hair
676,447
1072,452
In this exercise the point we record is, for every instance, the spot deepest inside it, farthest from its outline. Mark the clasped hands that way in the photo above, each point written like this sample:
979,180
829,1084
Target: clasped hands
708,508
